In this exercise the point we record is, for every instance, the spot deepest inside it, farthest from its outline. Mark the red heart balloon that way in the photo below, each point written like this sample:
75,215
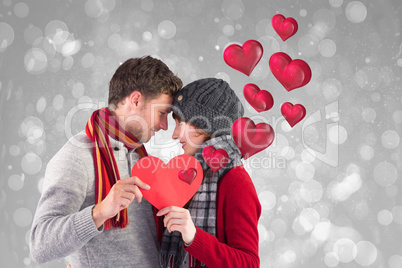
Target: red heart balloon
285,28
293,113
290,73
243,58
261,100
216,159
188,175
168,188
251,138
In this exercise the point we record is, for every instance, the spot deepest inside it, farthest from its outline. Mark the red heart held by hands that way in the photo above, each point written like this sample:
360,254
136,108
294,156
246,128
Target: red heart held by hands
215,158
243,58
293,113
188,175
251,138
261,100
290,73
172,184
285,28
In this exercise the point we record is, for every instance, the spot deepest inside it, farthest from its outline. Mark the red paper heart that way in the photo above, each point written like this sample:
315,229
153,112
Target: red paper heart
293,113
188,175
290,73
243,58
167,189
261,100
285,28
216,159
251,138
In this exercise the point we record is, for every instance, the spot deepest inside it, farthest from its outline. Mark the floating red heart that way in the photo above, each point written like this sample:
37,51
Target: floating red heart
215,158
290,73
251,138
188,175
261,100
285,28
243,58
168,188
293,113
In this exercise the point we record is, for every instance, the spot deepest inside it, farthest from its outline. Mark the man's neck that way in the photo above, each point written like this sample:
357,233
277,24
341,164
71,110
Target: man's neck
118,116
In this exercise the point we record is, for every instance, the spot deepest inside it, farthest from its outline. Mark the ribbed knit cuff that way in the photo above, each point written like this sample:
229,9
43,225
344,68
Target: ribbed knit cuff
197,242
85,226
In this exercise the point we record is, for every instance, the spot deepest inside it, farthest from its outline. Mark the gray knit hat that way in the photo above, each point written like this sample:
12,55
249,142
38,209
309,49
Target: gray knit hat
209,104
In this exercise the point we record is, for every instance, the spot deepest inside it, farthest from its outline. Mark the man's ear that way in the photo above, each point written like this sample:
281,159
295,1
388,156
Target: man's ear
134,98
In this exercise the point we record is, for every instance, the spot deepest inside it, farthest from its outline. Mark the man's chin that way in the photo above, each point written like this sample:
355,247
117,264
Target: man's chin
141,139
145,139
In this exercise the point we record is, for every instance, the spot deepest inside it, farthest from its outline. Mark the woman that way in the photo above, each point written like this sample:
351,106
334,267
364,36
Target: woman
218,227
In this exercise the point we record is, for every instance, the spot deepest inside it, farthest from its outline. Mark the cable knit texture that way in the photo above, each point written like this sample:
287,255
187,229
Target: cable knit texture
209,104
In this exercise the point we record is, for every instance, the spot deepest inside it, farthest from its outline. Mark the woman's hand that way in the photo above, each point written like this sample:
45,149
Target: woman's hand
179,219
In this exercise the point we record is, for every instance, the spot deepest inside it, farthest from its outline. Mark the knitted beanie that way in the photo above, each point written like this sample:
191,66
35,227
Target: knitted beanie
209,104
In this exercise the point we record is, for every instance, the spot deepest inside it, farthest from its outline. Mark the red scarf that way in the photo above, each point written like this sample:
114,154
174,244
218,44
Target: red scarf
100,126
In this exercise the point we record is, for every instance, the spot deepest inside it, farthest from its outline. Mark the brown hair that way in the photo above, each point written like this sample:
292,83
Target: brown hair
147,75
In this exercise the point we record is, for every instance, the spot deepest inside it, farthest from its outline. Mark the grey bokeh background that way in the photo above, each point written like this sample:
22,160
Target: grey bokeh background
329,187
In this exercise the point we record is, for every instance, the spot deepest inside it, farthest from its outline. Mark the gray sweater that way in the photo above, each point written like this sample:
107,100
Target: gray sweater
63,224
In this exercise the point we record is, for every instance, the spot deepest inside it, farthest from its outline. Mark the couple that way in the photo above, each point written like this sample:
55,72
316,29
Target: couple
87,212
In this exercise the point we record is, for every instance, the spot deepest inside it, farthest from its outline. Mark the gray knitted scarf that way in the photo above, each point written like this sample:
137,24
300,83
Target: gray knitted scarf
203,205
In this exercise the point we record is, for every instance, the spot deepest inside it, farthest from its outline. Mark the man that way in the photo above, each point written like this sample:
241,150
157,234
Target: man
93,167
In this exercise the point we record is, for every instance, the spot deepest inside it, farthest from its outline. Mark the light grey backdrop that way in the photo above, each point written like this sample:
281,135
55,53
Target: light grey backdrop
329,187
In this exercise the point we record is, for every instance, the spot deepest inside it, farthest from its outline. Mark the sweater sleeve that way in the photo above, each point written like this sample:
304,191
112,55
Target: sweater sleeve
61,226
241,211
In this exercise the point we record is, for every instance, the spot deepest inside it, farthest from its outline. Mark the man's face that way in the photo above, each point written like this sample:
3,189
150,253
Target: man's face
150,116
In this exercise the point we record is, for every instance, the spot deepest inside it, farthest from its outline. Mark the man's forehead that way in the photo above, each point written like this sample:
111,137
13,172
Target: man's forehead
164,107
162,103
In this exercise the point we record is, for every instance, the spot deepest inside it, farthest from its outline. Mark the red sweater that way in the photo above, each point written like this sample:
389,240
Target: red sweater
237,212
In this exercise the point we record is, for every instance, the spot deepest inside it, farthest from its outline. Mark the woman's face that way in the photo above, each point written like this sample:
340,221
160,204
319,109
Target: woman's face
189,136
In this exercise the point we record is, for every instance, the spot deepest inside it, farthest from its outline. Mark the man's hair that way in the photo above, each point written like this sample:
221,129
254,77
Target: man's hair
150,76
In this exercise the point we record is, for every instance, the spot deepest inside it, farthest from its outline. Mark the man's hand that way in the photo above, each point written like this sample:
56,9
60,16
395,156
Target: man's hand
179,219
120,197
